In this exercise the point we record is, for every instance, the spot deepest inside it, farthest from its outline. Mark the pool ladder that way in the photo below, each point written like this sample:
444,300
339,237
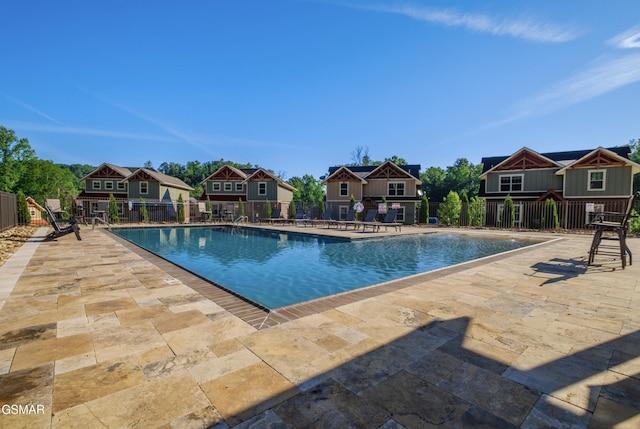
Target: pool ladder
237,221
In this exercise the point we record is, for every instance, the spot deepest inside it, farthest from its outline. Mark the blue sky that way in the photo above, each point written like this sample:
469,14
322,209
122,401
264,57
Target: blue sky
297,85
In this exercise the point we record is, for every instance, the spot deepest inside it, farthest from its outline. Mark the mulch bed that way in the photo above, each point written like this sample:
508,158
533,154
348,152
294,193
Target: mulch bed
11,240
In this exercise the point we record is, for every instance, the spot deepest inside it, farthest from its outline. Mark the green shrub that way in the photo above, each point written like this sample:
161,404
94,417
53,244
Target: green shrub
180,209
508,213
144,214
24,217
449,210
114,216
550,215
477,211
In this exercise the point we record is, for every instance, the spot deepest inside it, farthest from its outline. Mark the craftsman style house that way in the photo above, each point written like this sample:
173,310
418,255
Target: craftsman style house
594,180
229,185
398,184
129,185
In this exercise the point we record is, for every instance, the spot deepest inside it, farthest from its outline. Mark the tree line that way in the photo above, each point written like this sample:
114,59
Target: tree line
21,170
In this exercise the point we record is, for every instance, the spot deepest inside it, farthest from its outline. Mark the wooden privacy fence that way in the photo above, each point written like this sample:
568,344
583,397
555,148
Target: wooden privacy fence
8,211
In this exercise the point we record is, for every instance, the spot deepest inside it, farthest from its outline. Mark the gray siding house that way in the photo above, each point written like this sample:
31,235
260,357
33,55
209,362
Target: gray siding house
228,185
592,179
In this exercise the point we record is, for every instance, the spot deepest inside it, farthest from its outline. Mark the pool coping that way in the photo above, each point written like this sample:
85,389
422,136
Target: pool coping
261,317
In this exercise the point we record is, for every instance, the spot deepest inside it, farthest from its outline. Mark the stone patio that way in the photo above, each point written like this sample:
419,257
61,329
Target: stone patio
100,334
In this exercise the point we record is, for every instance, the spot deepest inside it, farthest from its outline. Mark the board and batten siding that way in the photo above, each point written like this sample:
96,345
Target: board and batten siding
333,190
272,191
618,182
152,194
380,187
533,180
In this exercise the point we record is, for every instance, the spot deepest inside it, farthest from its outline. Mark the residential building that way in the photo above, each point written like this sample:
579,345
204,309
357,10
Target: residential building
227,186
130,186
592,179
398,184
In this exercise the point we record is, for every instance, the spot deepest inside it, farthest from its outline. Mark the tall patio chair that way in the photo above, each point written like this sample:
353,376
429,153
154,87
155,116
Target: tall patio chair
613,226
59,231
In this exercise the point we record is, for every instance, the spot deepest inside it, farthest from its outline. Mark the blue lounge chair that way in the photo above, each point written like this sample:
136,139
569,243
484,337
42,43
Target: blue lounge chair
351,214
389,220
368,218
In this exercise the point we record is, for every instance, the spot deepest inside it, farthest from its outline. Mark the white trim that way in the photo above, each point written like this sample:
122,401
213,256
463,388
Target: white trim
340,194
500,176
604,180
94,183
396,194
122,186
228,186
215,186
240,186
146,185
108,185
517,208
342,212
260,184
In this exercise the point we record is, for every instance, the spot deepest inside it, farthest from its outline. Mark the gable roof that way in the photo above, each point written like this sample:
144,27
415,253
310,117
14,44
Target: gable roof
110,171
563,159
229,172
163,179
599,158
36,205
262,174
364,171
344,173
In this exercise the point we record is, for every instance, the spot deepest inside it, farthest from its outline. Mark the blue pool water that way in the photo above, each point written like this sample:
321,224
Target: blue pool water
279,268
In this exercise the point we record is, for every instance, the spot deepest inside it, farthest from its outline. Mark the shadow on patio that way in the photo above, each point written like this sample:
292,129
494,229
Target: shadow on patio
429,378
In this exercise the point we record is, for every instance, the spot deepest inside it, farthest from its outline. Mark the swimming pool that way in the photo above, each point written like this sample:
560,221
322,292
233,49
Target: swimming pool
275,268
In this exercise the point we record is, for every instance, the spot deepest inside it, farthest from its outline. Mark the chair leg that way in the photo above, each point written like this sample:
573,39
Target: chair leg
594,245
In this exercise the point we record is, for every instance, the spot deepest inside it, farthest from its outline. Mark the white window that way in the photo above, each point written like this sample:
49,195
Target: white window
108,186
262,188
144,187
344,189
396,189
95,184
597,180
400,214
342,212
517,211
122,186
239,187
215,186
227,186
512,183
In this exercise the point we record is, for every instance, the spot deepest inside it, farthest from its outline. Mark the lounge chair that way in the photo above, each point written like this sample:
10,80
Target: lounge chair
389,220
325,219
351,214
617,223
276,216
59,231
369,217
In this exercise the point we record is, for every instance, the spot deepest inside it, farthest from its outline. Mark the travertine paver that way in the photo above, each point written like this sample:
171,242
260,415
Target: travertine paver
99,336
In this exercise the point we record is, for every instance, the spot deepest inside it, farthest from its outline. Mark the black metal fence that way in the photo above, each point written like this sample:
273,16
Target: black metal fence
535,215
8,211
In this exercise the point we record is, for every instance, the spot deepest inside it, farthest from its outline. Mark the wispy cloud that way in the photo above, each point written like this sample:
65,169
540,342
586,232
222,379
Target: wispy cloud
628,40
603,75
29,107
207,143
89,132
523,28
